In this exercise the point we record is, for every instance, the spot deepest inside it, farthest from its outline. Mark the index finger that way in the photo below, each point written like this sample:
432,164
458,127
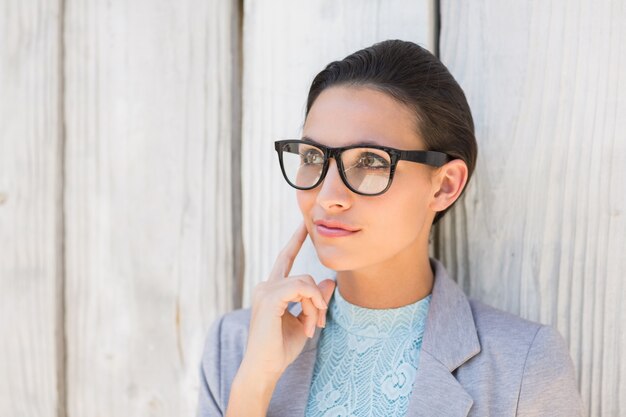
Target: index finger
284,261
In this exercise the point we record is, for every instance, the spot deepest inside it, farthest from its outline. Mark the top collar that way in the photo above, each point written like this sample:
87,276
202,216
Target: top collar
378,323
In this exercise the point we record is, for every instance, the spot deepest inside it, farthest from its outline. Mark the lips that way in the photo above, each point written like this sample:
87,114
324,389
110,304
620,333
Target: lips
330,232
334,228
334,224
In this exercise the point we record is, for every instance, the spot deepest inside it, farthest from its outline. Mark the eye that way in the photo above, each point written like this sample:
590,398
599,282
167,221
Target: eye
312,156
372,161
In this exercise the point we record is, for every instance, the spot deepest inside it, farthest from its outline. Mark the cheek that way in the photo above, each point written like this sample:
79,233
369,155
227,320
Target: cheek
402,216
305,199
406,205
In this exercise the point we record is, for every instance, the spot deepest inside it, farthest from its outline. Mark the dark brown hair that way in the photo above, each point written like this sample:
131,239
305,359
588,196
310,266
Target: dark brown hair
417,79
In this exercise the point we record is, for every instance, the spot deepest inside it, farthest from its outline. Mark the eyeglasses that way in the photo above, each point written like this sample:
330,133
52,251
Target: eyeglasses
365,170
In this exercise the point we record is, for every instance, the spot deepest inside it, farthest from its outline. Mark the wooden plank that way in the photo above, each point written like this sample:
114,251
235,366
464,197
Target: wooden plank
151,103
541,231
31,346
286,43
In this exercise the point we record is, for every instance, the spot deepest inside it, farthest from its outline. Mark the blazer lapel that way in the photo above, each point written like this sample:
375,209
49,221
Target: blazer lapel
436,392
450,339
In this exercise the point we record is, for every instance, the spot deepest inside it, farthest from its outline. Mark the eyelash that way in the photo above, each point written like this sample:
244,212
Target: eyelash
377,158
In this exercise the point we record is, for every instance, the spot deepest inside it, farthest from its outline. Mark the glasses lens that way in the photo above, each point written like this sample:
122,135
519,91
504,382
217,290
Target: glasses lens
303,164
367,170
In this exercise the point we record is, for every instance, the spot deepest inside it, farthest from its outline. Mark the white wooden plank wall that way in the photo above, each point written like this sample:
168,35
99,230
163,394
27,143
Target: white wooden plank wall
542,230
30,211
286,43
149,117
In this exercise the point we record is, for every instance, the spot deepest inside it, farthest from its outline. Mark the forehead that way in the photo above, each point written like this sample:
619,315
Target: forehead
347,115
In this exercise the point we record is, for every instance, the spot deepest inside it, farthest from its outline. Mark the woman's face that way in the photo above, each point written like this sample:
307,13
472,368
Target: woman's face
396,221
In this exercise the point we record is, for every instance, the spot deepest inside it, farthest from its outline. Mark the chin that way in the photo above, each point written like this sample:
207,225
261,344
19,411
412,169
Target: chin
337,266
336,260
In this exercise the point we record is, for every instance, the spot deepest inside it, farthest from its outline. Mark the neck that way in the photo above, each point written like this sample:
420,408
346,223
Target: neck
403,279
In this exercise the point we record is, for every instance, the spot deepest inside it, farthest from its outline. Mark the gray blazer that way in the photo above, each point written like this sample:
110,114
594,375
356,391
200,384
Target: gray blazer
475,361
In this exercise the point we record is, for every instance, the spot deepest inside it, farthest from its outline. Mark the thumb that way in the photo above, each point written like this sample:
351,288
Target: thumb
327,287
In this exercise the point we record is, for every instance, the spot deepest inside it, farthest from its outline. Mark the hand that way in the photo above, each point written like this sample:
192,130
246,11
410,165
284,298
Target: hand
275,336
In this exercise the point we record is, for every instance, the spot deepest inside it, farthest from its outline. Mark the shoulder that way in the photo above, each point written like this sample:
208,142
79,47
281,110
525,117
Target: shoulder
498,327
526,364
500,332
223,351
227,338
230,329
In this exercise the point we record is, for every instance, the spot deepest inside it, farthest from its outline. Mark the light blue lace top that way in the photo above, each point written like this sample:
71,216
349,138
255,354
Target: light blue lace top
367,359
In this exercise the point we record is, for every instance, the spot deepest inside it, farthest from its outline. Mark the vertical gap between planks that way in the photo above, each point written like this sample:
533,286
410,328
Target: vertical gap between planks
236,124
436,26
60,233
438,229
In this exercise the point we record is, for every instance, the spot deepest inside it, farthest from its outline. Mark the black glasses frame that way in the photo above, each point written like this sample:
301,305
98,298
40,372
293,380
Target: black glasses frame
432,158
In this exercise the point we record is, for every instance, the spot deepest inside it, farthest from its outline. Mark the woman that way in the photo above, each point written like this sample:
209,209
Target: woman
388,146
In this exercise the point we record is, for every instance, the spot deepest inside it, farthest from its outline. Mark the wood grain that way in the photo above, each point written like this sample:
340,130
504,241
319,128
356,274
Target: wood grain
152,111
541,231
31,276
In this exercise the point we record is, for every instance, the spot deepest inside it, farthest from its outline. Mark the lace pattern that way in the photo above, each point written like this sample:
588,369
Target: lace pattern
367,359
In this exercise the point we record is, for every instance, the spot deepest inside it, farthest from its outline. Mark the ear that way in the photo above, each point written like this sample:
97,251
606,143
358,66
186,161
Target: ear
448,183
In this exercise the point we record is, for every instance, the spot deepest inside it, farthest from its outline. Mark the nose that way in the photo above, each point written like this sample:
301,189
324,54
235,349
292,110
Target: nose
333,193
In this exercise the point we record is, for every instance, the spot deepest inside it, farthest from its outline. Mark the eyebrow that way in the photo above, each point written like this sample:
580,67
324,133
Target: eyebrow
362,142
